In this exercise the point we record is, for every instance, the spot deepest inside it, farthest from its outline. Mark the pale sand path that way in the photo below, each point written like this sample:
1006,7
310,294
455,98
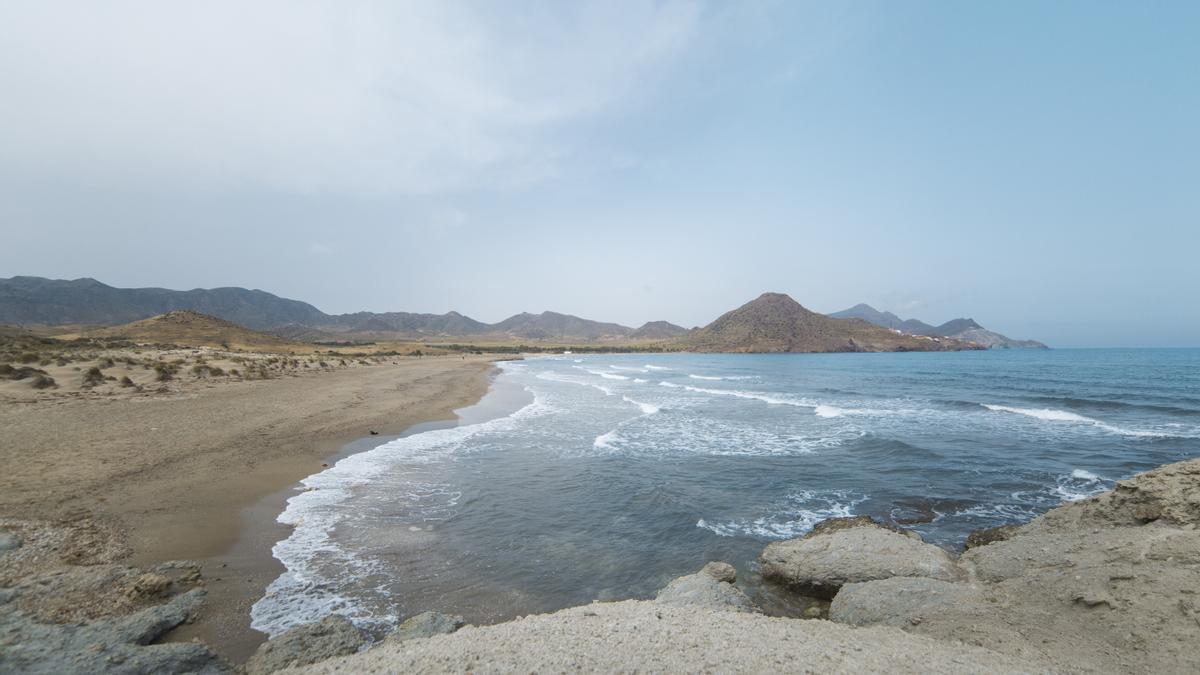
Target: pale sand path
175,472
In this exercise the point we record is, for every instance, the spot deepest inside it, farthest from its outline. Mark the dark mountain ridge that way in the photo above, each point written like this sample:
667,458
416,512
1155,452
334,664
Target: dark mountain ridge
40,301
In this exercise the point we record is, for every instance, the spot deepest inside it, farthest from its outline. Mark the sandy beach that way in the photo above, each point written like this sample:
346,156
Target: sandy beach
200,473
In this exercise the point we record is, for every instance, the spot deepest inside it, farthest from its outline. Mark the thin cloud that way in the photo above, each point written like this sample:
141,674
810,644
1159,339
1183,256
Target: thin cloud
414,97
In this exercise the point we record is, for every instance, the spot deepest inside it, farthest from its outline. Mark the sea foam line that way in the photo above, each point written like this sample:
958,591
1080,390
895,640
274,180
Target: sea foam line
735,393
1052,415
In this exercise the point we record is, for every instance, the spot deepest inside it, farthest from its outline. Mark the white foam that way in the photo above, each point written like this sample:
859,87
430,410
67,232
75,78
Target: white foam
1086,475
828,411
628,370
1052,415
302,594
650,367
704,377
802,511
735,393
607,441
601,373
647,409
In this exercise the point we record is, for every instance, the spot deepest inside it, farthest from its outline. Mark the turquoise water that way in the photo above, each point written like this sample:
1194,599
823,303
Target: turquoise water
617,473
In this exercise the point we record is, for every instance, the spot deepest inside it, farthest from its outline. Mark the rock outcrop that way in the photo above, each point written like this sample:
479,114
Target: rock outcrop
850,551
1107,584
332,636
426,624
114,645
712,587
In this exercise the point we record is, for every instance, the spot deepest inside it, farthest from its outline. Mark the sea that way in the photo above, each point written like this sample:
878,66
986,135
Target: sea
603,477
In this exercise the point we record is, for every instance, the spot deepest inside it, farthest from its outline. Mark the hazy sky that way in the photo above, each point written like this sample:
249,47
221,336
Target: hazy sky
1034,165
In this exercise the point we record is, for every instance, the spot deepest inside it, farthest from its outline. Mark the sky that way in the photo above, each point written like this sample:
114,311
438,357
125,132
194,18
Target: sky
1035,166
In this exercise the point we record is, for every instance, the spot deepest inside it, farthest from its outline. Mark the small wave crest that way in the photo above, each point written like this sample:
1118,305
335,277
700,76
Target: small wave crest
1053,415
736,393
794,517
646,408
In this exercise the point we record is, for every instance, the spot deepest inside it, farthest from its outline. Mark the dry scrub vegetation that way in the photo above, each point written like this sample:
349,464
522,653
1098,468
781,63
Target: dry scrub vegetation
33,367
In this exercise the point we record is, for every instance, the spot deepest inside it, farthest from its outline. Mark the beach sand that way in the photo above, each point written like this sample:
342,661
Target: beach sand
201,472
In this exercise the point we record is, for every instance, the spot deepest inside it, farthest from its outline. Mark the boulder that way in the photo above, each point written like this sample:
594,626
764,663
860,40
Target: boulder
309,643
901,601
426,624
823,562
712,587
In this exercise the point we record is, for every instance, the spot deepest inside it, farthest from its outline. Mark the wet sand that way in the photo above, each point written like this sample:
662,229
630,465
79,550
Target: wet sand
202,473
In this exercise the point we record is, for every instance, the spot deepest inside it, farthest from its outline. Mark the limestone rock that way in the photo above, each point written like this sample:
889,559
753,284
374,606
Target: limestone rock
712,587
426,624
820,565
721,571
900,601
332,636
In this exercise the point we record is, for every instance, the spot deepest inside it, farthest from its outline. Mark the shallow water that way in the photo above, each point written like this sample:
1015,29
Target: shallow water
617,473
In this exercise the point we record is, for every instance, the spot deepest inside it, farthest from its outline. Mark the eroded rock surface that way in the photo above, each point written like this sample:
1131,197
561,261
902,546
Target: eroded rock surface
114,645
1107,584
332,636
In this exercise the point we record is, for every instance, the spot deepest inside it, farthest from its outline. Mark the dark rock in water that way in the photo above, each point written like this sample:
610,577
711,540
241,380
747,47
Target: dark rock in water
373,432
851,550
838,524
712,587
426,624
990,535
119,645
9,541
332,636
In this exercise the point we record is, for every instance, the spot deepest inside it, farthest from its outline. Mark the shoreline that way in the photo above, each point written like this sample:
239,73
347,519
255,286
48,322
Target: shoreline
198,475
238,576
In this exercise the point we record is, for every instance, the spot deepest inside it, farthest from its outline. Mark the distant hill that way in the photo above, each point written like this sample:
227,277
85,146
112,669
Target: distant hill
959,329
552,325
657,330
192,329
53,302
774,322
34,300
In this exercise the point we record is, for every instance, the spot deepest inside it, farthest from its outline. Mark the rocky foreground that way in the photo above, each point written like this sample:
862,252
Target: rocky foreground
1108,584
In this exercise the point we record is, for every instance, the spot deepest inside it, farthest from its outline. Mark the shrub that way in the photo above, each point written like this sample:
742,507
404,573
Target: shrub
106,362
199,370
126,382
92,377
27,357
235,371
164,372
43,382
215,371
